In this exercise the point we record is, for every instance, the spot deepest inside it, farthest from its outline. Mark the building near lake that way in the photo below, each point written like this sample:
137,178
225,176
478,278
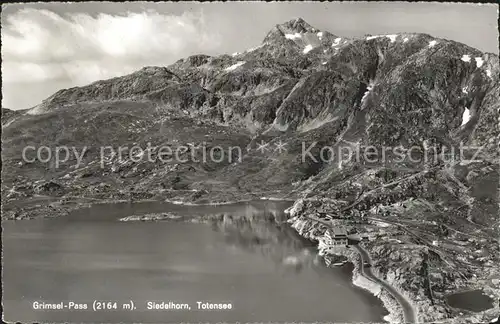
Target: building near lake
337,236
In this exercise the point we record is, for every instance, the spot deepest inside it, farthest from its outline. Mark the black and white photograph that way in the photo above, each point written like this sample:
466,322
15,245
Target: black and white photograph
250,162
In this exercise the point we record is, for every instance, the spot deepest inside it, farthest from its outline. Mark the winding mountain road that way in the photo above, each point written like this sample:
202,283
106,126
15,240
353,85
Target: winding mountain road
409,312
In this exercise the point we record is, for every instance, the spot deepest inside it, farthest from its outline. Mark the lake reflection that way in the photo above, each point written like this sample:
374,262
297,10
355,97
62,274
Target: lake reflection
246,255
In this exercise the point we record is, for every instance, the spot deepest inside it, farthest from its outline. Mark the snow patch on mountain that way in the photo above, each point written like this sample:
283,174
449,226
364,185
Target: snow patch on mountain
488,73
235,66
336,41
254,48
464,90
392,37
405,39
320,34
479,61
432,43
293,36
465,58
367,92
307,49
465,116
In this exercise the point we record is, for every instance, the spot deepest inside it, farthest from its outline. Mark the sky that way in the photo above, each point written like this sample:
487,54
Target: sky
50,46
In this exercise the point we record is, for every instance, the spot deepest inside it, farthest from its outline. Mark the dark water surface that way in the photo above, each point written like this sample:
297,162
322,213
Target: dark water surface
473,300
244,257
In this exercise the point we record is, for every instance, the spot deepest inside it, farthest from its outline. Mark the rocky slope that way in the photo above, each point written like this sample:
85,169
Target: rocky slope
301,88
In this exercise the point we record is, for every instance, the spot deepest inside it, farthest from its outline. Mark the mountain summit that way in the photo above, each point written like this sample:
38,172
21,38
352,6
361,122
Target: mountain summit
297,25
291,27
299,32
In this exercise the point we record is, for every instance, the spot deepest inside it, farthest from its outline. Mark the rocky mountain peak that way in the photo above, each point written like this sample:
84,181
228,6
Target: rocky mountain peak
297,36
293,29
297,25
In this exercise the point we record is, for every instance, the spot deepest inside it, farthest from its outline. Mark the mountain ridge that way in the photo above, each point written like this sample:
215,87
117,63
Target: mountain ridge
204,70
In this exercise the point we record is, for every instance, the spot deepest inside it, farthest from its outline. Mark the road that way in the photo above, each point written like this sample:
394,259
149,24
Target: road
408,310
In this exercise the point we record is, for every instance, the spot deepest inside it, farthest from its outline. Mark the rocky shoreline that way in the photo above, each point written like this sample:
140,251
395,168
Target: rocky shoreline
306,229
396,314
425,309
